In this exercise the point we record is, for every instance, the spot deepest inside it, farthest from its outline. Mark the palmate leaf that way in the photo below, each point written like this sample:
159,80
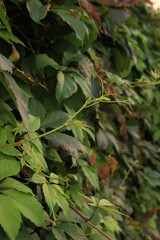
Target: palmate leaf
11,183
54,195
27,205
10,217
111,224
66,142
34,157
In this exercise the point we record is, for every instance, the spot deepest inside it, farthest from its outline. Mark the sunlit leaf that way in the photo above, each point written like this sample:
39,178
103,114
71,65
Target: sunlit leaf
28,205
8,167
10,218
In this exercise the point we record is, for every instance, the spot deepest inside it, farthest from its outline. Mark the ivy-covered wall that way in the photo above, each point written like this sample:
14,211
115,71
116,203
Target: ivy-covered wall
79,120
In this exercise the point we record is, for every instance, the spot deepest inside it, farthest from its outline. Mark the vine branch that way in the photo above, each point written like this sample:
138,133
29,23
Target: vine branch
89,223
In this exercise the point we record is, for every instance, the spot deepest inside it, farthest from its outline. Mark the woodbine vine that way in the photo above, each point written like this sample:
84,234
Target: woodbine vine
79,120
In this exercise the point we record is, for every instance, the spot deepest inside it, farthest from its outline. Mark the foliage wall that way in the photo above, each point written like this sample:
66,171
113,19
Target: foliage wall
79,120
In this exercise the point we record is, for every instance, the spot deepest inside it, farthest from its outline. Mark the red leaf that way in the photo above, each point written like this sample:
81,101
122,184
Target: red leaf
114,164
90,8
92,158
104,171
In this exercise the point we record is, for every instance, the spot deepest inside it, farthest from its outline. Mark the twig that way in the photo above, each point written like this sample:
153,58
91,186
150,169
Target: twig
87,220
79,213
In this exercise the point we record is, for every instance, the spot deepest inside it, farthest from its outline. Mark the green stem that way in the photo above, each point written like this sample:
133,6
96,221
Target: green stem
67,123
88,103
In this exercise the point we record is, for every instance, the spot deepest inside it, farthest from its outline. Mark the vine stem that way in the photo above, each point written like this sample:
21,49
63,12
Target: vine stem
67,123
88,103
89,223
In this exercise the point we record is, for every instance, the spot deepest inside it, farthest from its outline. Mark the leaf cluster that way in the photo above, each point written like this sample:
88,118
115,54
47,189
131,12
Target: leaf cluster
79,120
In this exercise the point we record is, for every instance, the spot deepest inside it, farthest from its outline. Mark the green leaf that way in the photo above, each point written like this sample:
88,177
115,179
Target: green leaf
5,64
42,61
54,194
69,57
10,217
34,158
4,19
53,155
111,224
90,175
54,119
7,112
36,108
66,86
34,123
21,104
118,15
28,205
71,230
24,234
8,167
75,23
59,234
105,202
36,10
3,35
152,176
10,151
66,142
10,38
48,197
37,178
82,84
11,183
156,135
3,134
77,195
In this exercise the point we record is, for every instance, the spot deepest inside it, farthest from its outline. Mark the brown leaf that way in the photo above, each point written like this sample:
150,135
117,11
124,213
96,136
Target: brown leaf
92,158
14,57
103,171
114,164
149,214
91,9
21,104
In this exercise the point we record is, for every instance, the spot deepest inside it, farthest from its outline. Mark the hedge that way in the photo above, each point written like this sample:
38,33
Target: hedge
79,120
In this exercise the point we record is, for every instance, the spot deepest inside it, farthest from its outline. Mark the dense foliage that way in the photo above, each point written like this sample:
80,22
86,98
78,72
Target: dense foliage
79,120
